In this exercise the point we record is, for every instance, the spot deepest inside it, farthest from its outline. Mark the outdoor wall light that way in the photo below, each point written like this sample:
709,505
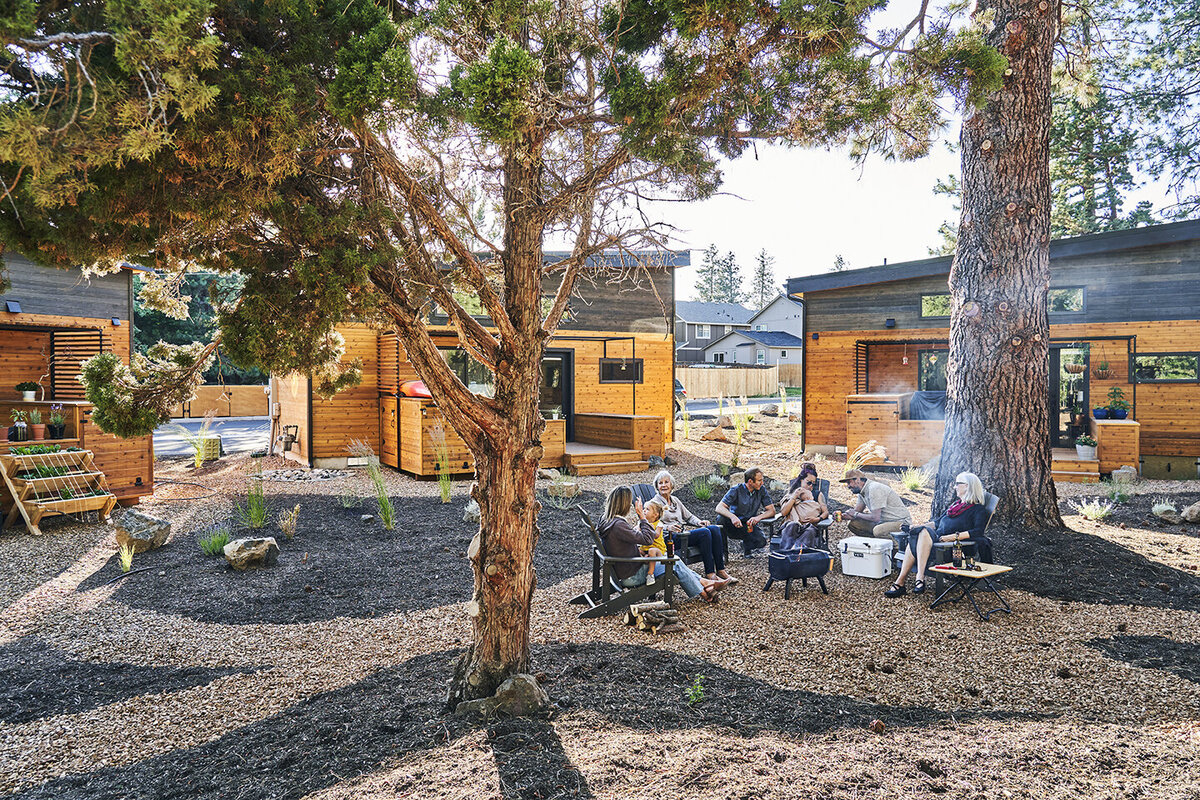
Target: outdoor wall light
12,306
889,323
116,322
816,336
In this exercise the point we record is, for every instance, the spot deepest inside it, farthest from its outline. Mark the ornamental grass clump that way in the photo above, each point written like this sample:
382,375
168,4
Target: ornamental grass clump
864,453
387,511
1096,510
195,439
214,543
253,515
701,489
914,478
125,553
287,521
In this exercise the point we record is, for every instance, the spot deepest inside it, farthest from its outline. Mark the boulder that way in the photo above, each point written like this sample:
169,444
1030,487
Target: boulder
1192,513
245,553
778,487
1169,516
562,489
519,696
1126,474
715,435
724,421
141,531
656,463
770,410
737,477
549,474
471,512
670,462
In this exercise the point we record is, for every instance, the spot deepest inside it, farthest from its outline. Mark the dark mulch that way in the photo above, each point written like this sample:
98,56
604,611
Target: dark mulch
332,737
39,681
1154,652
1136,513
339,566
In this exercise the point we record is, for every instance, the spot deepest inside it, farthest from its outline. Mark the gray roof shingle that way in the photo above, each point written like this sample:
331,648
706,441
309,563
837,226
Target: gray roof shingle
712,313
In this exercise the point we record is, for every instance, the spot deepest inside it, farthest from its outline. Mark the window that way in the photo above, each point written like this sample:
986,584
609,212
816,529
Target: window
718,358
475,376
1166,368
931,370
620,370
783,353
761,357
703,331
760,327
935,305
1068,300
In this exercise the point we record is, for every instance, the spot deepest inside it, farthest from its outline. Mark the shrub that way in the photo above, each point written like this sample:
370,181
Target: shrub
1095,510
695,692
253,515
559,501
1161,506
387,512
214,543
350,500
914,478
1117,491
701,489
126,555
287,521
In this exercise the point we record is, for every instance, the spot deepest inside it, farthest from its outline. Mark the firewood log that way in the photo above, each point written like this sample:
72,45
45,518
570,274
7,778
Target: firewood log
670,627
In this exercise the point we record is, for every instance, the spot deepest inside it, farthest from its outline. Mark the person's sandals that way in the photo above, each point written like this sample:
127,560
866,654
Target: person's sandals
729,579
918,587
896,590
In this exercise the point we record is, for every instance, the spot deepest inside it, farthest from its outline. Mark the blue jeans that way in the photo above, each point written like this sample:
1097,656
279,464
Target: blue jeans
688,581
712,547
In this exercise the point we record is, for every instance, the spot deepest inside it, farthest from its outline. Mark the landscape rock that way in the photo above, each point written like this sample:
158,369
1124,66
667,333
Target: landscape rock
549,474
715,435
561,489
141,531
724,421
770,410
1126,474
737,477
366,517
1192,513
656,463
794,418
519,696
245,553
1169,516
297,475
778,487
471,512
670,462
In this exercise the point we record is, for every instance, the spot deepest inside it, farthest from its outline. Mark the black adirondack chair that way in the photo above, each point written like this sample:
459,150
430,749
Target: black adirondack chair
607,597
943,551
775,522
688,552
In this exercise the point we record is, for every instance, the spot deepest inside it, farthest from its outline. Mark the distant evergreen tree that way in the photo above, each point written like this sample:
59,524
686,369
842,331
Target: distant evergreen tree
708,278
729,283
762,284
839,263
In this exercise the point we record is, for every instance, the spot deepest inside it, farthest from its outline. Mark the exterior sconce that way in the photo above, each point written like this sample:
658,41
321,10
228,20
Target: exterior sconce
889,323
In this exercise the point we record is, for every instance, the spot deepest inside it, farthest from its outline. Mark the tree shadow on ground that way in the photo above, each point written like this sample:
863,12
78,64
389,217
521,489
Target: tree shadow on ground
339,565
39,681
339,735
1153,652
1075,566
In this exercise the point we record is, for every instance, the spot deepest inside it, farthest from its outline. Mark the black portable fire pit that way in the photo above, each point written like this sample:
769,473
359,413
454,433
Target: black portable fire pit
802,565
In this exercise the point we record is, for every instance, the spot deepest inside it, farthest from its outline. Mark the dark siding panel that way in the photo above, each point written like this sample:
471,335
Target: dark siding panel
47,290
628,306
1149,283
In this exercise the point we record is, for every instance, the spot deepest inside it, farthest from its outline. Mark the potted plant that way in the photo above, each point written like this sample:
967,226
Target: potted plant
1075,366
1103,372
1085,447
27,389
1117,407
1100,412
37,429
18,432
57,426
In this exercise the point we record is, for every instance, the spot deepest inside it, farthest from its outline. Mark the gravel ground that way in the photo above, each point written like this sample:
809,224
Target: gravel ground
204,684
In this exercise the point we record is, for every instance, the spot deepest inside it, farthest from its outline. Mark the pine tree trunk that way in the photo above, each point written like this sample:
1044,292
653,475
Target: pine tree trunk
998,421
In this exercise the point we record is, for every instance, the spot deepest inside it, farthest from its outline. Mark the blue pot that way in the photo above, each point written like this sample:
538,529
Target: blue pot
1118,413
1100,413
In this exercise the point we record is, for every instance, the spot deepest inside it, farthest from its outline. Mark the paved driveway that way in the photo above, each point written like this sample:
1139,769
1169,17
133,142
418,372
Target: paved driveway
238,435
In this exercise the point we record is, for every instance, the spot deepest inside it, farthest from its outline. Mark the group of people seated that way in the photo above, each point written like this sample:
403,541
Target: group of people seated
878,511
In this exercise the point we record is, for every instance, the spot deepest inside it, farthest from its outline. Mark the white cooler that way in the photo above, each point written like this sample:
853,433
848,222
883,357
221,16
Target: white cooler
866,556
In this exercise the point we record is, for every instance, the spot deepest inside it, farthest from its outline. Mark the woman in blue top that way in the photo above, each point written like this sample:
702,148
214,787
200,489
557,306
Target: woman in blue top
964,519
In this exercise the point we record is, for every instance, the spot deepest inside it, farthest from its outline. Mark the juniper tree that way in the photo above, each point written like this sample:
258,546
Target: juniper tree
361,160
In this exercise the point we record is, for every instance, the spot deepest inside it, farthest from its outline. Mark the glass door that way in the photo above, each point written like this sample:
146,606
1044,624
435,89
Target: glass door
1068,393
556,399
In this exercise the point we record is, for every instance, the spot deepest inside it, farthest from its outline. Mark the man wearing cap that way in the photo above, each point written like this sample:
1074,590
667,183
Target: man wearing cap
879,510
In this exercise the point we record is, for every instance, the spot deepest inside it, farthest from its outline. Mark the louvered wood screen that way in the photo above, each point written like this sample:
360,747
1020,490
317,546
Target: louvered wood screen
69,349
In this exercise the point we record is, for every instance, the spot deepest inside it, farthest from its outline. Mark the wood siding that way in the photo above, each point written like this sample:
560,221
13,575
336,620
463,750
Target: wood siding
291,393
1170,423
60,292
354,413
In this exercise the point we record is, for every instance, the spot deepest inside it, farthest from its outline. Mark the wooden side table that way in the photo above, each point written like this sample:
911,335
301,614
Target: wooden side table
965,582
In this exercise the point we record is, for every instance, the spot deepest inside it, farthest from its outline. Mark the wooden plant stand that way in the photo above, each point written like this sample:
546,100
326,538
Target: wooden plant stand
35,498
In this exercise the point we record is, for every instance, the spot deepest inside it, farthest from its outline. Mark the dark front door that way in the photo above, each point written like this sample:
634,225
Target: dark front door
1068,394
557,398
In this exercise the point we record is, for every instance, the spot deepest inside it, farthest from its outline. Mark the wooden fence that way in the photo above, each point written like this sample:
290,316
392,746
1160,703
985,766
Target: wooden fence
225,401
728,381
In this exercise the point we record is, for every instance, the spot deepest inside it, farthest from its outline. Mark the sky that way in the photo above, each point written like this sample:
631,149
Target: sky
808,206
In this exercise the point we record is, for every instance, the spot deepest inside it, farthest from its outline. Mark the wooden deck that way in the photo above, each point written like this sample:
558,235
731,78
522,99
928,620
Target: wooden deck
583,458
1067,467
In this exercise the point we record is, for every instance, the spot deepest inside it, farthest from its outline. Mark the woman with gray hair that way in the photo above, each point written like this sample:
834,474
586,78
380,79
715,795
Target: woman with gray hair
964,519
676,519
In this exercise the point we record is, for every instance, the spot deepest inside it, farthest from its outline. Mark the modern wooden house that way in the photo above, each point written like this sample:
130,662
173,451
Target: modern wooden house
607,387
51,320
1124,313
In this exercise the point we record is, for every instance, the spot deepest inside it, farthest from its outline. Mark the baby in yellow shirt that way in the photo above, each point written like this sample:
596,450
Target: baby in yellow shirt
658,547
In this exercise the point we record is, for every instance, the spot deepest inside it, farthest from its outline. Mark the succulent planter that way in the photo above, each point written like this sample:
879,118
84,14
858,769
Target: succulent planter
1100,413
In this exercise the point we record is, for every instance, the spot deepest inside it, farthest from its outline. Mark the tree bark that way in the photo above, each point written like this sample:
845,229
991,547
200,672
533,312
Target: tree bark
998,421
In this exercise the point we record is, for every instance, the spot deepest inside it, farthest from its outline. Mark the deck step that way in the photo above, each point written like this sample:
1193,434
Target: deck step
1073,465
610,468
602,457
1064,476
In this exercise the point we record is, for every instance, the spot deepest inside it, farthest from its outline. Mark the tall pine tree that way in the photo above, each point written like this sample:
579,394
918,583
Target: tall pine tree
708,276
762,282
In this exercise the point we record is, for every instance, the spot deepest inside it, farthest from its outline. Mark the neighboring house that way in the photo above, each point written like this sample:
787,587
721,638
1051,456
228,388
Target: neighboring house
51,321
755,347
1124,312
781,314
699,324
607,391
